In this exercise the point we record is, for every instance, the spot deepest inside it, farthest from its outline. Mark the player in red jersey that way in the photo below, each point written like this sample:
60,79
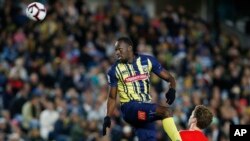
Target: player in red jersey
200,119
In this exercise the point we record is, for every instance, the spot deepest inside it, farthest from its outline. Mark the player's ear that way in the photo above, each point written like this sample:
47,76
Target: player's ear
130,48
194,120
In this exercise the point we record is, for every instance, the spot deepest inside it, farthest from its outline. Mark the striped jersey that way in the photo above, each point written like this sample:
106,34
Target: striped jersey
132,79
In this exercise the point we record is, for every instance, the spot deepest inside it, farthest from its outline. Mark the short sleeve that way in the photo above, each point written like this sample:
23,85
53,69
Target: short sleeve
112,79
156,66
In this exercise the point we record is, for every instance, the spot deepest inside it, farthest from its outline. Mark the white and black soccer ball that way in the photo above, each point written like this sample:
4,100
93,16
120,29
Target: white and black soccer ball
36,11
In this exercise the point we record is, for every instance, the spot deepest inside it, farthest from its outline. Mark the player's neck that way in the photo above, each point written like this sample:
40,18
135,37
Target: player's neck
194,127
131,58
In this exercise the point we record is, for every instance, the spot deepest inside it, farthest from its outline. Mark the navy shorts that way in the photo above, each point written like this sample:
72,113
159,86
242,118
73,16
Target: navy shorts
141,116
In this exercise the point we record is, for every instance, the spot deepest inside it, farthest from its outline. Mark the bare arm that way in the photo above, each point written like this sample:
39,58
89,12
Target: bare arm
110,109
111,101
167,77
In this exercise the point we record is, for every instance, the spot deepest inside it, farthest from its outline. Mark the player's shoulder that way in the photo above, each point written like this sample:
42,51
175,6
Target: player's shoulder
198,134
114,64
184,131
112,67
146,56
187,132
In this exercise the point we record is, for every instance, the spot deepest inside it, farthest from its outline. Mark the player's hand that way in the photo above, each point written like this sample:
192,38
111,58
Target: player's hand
106,123
170,96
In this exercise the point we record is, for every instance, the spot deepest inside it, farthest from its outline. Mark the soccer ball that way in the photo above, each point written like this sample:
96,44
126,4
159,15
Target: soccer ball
36,11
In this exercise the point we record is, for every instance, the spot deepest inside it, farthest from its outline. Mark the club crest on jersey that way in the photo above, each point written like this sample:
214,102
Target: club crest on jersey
145,68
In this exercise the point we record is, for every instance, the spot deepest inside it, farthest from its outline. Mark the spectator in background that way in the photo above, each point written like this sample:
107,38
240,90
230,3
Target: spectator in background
20,99
62,128
31,111
15,137
4,126
48,117
93,132
18,72
9,52
78,130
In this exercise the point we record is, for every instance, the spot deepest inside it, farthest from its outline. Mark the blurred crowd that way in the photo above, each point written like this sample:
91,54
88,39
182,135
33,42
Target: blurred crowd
53,73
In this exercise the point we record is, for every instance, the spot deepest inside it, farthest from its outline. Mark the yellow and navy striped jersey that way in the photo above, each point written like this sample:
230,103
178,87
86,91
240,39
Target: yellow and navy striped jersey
132,79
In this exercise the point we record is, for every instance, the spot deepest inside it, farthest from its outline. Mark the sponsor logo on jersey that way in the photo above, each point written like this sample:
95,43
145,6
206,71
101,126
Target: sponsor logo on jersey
136,78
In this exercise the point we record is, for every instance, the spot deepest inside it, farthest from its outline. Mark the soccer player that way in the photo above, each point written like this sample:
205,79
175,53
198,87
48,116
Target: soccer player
129,77
200,118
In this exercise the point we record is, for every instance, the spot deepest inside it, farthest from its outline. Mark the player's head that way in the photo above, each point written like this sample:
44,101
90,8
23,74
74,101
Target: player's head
201,117
124,49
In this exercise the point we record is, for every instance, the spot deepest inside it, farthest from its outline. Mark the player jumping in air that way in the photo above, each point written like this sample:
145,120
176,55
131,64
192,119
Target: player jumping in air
129,77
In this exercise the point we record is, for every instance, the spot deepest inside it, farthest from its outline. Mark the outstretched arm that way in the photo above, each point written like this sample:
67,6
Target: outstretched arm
165,75
170,95
110,108
161,72
111,101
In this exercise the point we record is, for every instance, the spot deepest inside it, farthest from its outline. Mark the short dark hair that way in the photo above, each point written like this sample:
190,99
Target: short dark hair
126,40
203,116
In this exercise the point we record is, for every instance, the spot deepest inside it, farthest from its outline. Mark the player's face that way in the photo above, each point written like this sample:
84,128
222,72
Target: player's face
191,119
121,51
